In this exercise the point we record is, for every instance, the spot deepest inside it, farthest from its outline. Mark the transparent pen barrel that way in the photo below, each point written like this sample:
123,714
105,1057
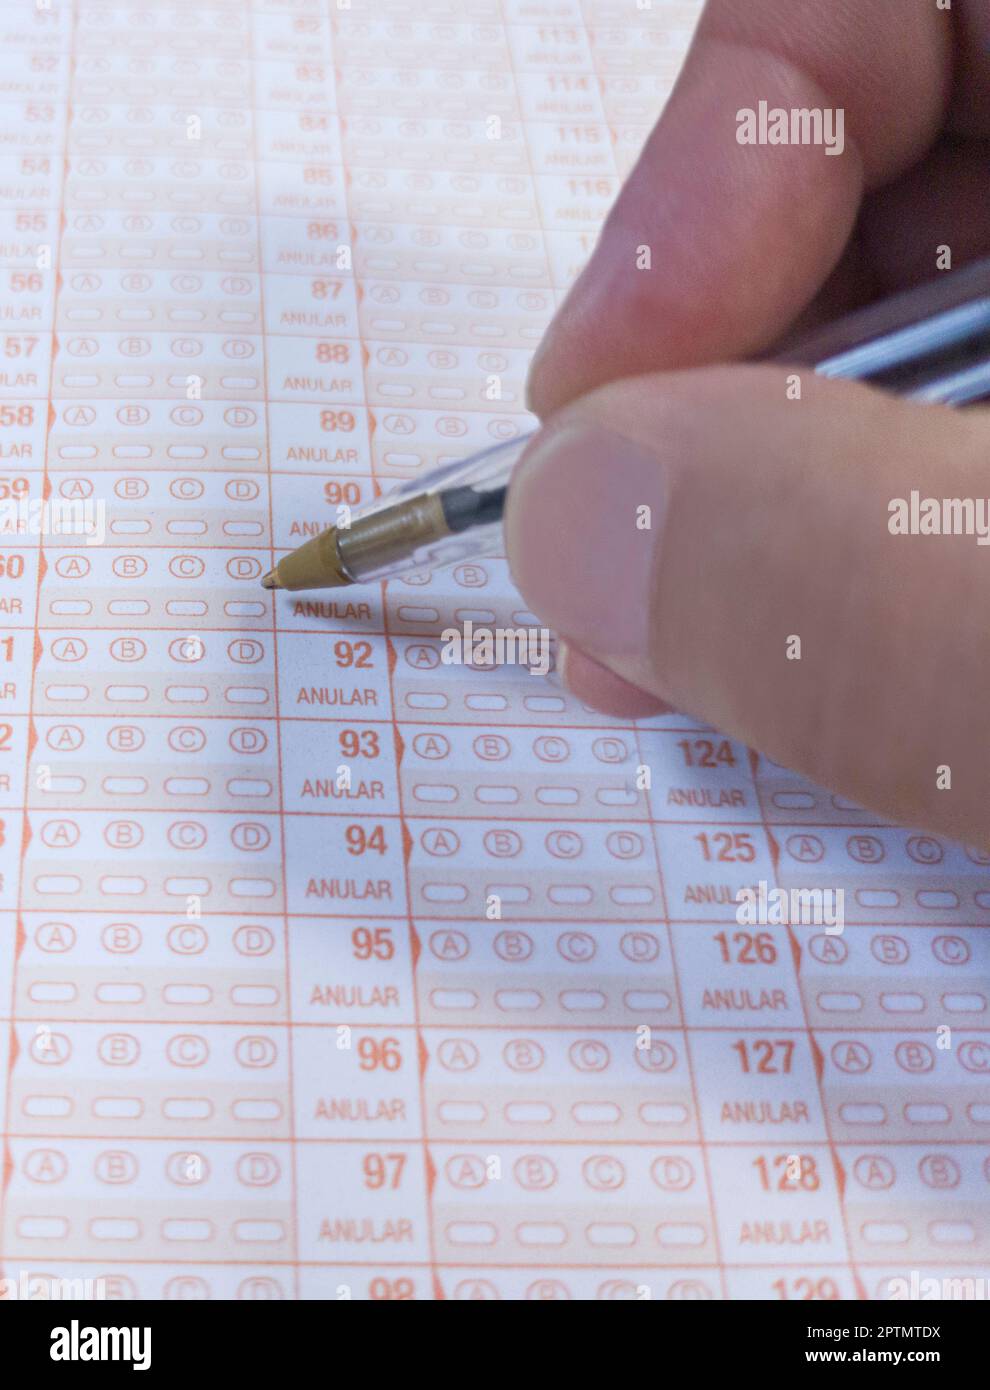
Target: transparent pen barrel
453,515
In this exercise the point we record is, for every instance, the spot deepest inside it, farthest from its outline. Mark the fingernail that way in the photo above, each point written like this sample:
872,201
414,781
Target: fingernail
583,525
563,651
601,689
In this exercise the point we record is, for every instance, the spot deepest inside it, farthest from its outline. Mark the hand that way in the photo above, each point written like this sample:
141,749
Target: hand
680,528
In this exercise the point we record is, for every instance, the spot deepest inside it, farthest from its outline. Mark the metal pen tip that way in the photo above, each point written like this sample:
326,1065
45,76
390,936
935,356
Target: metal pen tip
270,580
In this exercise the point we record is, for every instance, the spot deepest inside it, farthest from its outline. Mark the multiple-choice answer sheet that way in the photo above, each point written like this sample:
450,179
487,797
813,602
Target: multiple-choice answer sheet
264,1033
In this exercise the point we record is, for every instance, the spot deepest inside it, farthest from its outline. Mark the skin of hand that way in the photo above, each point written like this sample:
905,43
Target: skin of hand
767,516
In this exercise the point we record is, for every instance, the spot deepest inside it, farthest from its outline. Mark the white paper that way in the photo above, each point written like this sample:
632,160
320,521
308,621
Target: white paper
258,1037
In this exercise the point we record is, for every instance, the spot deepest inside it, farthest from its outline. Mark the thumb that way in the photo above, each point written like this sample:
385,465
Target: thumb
734,553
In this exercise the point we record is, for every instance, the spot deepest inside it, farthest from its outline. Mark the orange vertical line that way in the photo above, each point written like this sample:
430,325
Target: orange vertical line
819,1075
421,1050
6,1165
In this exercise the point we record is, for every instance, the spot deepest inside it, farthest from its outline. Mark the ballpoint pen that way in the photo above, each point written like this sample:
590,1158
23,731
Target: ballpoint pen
930,344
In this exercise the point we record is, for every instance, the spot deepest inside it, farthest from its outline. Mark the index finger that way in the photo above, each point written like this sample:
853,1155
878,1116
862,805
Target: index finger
740,236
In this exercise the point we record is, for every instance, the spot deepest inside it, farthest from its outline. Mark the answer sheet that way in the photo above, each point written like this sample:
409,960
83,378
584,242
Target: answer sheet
329,970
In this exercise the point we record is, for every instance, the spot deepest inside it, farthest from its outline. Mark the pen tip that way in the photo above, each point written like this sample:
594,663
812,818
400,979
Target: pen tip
270,580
